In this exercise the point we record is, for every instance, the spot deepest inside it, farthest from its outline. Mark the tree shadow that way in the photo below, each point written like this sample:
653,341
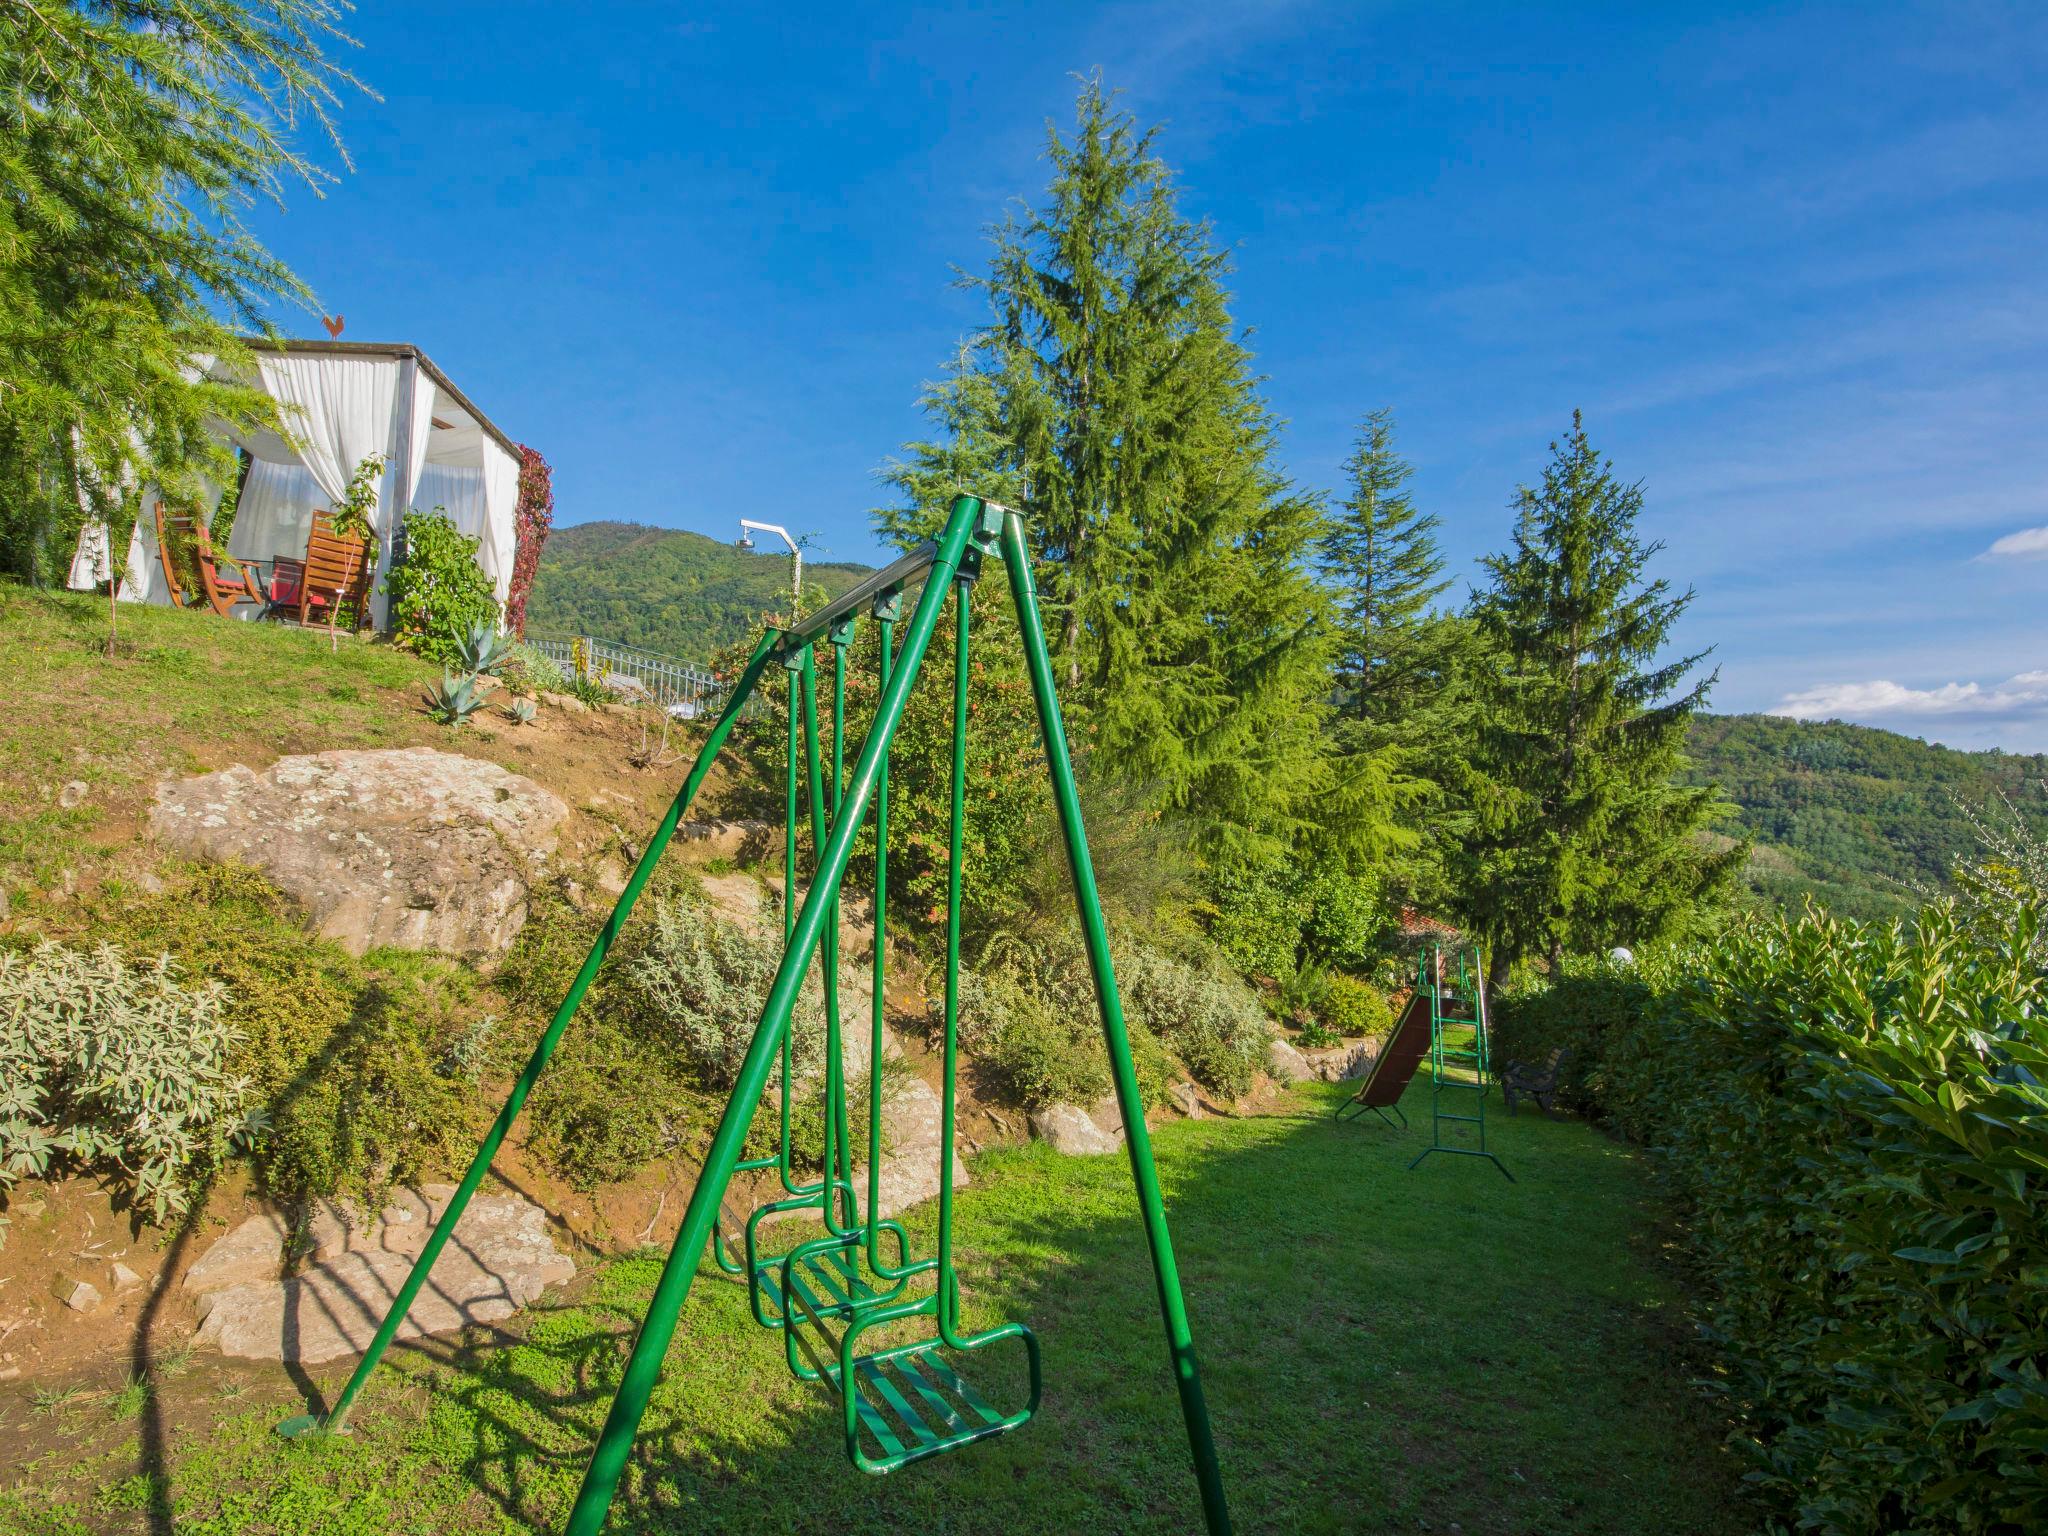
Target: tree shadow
1380,1346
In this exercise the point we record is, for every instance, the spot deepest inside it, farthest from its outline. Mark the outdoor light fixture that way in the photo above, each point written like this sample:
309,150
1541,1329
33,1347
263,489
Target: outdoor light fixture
796,554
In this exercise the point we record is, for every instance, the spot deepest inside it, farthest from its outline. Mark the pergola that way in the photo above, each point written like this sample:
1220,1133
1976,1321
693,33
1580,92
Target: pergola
342,401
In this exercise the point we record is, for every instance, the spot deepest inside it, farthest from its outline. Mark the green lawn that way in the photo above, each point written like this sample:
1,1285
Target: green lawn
1384,1350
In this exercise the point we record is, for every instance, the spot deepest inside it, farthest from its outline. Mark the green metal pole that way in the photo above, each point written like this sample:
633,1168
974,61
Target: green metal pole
1180,1338
643,1367
337,1416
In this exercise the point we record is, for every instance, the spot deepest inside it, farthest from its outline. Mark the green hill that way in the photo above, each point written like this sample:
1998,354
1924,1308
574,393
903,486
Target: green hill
662,588
1867,820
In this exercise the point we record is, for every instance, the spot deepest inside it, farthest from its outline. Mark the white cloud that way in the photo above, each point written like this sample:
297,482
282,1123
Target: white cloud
2027,544
2025,693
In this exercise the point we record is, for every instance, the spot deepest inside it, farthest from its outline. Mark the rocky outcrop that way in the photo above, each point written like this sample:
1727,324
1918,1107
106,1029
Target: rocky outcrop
911,1126
1341,1063
411,847
1071,1129
499,1258
1285,1062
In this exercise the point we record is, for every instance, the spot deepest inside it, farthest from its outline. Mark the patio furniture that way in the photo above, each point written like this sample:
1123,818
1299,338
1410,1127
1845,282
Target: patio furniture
169,529
1538,1083
226,581
336,574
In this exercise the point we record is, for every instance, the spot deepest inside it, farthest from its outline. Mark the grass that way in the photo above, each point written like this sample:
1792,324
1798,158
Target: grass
1383,1350
180,685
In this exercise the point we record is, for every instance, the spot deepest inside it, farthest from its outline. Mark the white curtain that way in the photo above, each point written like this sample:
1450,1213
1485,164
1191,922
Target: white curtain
92,563
422,433
275,515
458,490
501,496
340,410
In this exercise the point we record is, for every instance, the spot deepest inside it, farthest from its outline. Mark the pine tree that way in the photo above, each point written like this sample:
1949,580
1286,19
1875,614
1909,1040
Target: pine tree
1111,393
1581,836
1380,556
1397,702
132,138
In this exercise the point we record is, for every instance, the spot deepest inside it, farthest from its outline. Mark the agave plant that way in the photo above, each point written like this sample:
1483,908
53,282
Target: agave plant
521,711
457,698
484,650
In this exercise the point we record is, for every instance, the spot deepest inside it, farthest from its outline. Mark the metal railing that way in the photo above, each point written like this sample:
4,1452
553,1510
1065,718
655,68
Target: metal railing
683,688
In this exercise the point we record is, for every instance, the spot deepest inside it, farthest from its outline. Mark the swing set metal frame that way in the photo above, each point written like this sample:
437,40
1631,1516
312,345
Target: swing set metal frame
905,1399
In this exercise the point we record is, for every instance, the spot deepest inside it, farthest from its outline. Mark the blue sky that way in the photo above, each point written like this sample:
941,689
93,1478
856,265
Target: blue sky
1788,259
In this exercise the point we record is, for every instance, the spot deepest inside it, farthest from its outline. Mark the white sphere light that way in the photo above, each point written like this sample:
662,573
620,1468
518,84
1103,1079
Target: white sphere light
1621,955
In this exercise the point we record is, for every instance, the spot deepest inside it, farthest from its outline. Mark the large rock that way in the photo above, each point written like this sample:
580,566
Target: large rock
912,1123
499,1258
1287,1063
1342,1063
411,846
1071,1129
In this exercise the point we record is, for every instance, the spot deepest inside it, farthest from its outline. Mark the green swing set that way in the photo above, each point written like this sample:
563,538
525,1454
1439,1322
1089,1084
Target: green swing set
901,1402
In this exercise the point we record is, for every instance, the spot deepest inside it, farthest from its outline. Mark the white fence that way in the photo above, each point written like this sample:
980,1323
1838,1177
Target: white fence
684,689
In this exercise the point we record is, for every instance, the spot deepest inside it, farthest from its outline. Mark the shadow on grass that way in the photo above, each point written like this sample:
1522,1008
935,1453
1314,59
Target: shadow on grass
1380,1347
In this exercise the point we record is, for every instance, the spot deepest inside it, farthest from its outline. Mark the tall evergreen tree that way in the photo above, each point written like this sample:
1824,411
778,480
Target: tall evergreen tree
1581,836
1111,392
132,139
1380,555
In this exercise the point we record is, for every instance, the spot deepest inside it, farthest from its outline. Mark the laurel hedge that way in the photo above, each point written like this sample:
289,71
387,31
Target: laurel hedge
1854,1121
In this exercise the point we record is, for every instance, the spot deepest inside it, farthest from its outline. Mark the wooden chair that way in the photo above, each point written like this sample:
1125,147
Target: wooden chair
170,528
226,581
337,572
1538,1083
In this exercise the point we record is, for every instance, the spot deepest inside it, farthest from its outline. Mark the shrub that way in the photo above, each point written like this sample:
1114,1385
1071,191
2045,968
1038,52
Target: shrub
1853,1119
609,1102
533,670
1581,1008
118,1069
708,980
1348,917
1259,916
1353,1007
1030,1043
439,594
344,1057
1200,1012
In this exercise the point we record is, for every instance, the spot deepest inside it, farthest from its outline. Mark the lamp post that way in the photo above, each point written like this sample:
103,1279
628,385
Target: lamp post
796,560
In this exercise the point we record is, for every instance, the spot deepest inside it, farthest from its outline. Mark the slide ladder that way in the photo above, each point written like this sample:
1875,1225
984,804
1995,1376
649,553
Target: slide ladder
1457,1052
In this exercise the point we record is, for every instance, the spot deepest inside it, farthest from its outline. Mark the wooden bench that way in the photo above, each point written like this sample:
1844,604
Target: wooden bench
1538,1083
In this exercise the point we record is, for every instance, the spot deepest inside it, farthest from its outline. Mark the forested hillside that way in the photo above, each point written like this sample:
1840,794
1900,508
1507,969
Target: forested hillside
1867,820
663,588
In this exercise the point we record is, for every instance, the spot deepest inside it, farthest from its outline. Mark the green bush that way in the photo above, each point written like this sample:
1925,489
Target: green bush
1200,1012
706,981
1353,1007
439,594
609,1103
347,1059
1582,1009
1039,1051
112,1068
1854,1121
1348,917
1260,911
532,670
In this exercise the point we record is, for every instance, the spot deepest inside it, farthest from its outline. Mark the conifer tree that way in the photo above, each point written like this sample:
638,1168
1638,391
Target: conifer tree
1380,556
132,139
1111,393
1581,836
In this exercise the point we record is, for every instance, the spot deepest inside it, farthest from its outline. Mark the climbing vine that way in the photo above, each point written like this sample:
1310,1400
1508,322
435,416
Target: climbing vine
532,518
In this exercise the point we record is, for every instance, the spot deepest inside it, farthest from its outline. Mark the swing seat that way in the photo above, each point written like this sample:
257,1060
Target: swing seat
908,1400
913,1405
825,1270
